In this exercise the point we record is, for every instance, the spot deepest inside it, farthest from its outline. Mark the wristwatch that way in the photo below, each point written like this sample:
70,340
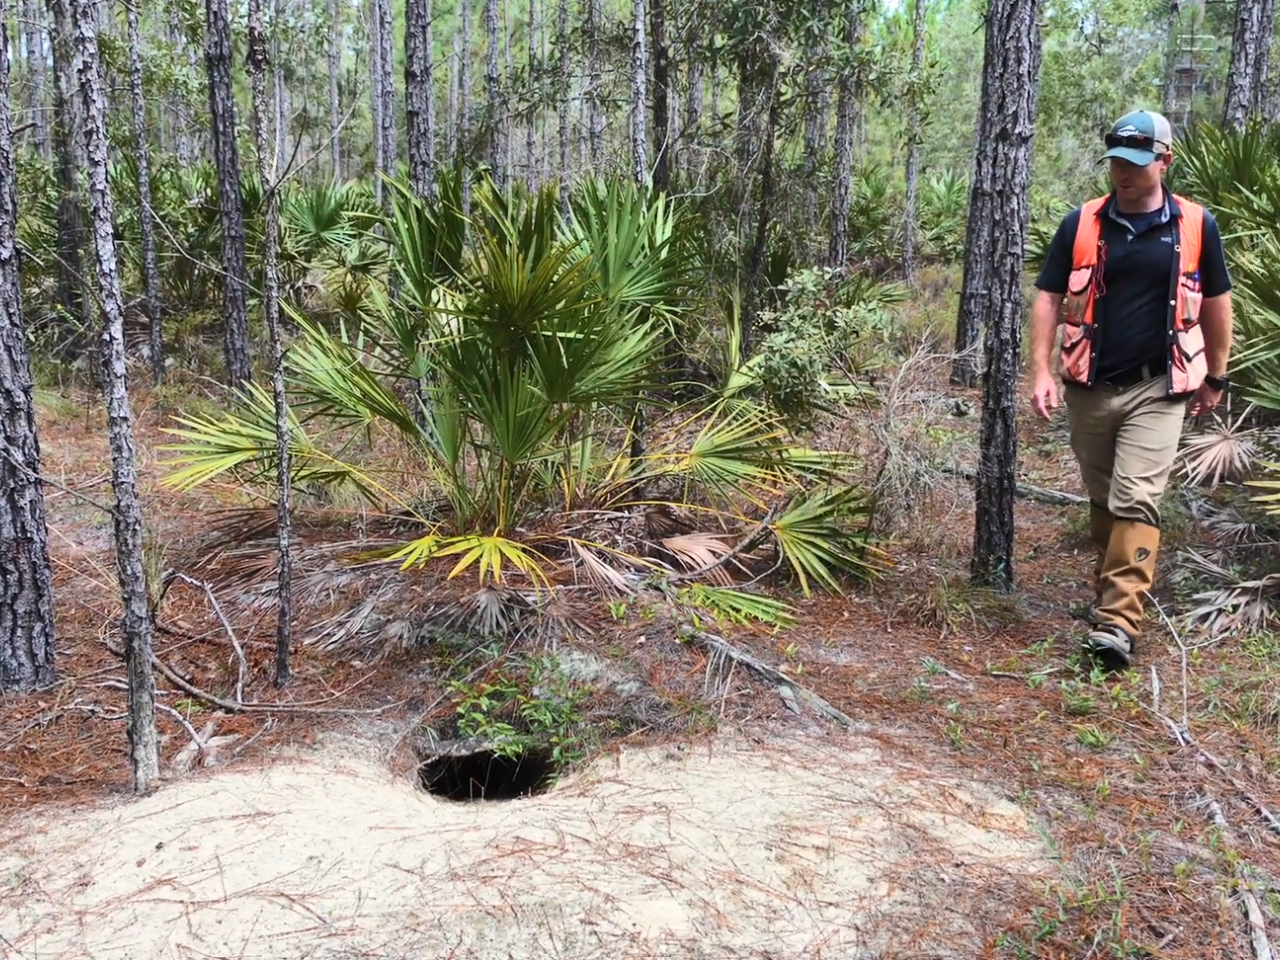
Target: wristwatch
1217,383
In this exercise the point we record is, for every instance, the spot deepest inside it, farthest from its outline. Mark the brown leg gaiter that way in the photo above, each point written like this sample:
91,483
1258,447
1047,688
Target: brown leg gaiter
1128,570
1101,521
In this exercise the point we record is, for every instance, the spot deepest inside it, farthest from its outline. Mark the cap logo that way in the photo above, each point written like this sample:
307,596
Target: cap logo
1129,130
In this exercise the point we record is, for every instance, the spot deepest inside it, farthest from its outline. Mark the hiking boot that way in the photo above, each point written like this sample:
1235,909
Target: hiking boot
1110,646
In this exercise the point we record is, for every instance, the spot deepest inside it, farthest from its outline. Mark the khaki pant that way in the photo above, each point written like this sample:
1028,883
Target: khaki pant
1125,440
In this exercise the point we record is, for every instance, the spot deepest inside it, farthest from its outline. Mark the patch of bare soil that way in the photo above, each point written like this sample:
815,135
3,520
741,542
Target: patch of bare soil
804,847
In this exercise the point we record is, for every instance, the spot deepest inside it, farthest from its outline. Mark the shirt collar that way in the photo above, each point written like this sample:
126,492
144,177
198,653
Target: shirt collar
1171,207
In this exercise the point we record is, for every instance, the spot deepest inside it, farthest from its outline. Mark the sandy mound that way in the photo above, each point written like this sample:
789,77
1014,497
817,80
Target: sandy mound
799,849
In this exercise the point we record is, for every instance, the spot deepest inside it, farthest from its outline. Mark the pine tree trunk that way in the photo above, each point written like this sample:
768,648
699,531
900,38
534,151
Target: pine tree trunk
280,92
1247,44
492,92
530,129
564,96
639,93
26,578
915,120
690,134
815,122
375,101
271,309
33,30
135,622
508,119
419,96
595,83
73,294
764,208
661,95
334,55
1263,65
386,85
451,123
846,131
146,222
222,128
179,114
997,232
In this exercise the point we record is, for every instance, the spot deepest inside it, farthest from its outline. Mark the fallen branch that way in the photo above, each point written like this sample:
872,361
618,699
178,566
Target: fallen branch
243,668
723,648
201,746
1029,491
1252,911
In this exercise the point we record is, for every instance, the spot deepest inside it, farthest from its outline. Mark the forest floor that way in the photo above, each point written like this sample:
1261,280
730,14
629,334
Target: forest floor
997,798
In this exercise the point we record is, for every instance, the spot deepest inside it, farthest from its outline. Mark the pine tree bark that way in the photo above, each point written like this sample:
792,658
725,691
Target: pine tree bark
33,32
564,100
531,129
146,221
226,156
26,578
815,123
1263,65
1243,98
419,96
639,93
279,90
915,120
386,86
494,126
135,621
661,95
764,208
691,131
258,64
375,102
333,53
998,222
73,294
847,93
595,82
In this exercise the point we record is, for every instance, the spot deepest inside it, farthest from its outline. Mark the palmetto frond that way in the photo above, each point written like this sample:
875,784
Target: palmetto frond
1223,451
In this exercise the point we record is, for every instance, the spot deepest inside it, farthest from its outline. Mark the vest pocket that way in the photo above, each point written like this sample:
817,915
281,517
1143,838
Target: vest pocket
1079,292
1189,308
1191,343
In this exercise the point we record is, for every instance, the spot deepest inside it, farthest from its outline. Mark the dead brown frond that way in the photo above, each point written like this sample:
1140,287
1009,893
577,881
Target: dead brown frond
663,520
1233,603
701,551
1224,450
599,574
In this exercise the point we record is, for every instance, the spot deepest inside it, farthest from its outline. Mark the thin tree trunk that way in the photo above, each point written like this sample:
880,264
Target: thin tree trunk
466,138
72,289
847,92
639,93
661,95
451,114
386,85
997,232
146,223
26,578
815,123
1247,44
271,309
915,120
764,209
564,96
334,53
509,115
690,135
375,101
1262,63
419,96
135,621
595,81
530,129
222,113
280,93
33,30
494,127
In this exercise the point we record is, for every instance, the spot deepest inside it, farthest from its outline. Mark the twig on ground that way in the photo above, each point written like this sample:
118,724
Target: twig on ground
1030,491
201,746
722,647
243,668
49,481
1186,724
1262,949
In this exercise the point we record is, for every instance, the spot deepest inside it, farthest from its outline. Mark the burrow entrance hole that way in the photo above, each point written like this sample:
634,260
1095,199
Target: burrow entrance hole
487,775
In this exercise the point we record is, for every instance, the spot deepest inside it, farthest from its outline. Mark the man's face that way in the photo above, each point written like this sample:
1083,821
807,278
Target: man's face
1132,181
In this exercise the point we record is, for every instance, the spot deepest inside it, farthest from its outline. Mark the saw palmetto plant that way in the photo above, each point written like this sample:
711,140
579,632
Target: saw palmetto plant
487,384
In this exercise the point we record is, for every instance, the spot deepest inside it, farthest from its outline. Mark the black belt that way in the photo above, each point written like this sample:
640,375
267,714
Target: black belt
1134,375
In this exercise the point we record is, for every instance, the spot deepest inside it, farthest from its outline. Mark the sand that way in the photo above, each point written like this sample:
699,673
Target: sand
810,847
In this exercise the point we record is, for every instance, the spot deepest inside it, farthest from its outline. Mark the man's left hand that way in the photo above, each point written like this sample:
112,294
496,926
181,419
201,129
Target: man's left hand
1205,399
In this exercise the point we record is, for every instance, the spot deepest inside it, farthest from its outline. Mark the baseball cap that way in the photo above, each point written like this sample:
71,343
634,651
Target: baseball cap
1139,137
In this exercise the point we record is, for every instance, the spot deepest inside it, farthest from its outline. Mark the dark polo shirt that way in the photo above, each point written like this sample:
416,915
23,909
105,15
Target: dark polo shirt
1132,312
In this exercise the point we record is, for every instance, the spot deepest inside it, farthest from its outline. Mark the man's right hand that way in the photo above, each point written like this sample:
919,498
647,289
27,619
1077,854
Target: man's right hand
1044,399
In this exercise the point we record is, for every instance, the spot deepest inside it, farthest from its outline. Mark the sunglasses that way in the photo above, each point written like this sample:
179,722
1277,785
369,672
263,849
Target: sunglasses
1136,143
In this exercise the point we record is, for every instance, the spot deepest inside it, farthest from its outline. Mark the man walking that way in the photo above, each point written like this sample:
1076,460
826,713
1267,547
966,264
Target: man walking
1146,326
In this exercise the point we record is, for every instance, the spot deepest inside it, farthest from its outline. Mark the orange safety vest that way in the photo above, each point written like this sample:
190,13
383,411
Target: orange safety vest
1187,363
